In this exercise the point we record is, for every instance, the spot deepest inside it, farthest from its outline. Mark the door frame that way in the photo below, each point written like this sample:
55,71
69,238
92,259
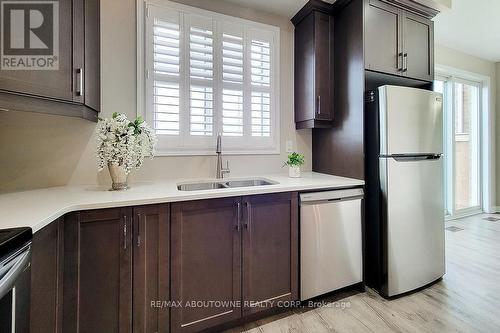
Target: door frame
486,119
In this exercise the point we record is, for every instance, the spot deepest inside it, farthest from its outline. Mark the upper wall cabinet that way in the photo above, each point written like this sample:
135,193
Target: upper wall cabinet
398,41
54,66
313,66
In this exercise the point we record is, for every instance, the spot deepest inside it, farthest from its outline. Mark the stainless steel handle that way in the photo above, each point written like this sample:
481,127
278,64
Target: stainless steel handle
9,279
138,229
239,217
79,82
405,62
248,217
400,61
125,232
318,104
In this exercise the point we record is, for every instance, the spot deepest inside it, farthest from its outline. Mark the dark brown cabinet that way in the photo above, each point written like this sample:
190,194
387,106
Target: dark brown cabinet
313,68
238,251
398,41
116,262
383,46
418,41
72,89
151,262
184,267
206,263
270,251
98,271
47,256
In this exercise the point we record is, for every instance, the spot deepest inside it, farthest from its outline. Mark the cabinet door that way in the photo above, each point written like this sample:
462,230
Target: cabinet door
48,83
419,47
98,271
151,268
47,256
383,45
270,250
206,263
304,64
323,44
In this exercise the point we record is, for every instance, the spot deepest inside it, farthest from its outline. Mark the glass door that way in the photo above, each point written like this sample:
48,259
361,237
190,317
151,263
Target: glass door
462,145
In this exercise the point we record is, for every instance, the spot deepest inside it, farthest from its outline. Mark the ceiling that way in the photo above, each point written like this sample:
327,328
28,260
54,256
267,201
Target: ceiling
287,8
472,27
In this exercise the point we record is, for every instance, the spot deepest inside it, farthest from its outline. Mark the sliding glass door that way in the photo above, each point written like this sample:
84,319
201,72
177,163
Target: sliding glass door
462,145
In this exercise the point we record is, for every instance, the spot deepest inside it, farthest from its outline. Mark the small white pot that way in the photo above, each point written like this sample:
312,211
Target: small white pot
294,171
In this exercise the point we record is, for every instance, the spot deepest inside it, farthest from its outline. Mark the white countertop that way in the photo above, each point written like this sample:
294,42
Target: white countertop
37,208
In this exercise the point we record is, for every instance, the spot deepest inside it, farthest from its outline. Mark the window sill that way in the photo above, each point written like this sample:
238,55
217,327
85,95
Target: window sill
212,153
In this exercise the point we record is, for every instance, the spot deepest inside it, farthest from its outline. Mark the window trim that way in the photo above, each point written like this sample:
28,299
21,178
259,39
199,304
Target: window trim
487,135
142,8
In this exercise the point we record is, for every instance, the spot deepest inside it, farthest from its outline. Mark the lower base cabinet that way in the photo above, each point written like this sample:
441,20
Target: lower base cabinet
270,251
206,263
237,251
115,264
182,267
47,256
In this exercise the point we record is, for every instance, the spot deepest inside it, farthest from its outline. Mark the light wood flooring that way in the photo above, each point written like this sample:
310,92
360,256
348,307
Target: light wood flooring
467,299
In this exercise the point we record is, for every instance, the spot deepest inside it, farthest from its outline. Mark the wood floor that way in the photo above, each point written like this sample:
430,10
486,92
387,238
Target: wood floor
467,299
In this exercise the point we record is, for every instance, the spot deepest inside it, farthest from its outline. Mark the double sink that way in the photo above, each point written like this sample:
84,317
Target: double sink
221,184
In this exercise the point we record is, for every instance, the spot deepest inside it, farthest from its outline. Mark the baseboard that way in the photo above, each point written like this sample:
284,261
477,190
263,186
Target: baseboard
496,209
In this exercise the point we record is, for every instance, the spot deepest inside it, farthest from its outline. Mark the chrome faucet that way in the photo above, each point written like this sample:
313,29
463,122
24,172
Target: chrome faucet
220,170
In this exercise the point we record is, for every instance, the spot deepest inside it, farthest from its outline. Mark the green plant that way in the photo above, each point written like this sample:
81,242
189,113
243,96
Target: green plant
295,159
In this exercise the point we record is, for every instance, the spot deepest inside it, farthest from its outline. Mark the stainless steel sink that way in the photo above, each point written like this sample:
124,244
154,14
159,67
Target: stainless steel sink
212,185
200,186
249,182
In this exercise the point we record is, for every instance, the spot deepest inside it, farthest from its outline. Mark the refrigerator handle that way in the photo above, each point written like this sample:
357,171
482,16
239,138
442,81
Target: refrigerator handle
414,158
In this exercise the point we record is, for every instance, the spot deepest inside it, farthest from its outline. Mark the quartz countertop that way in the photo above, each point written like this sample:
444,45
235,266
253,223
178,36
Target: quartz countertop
38,208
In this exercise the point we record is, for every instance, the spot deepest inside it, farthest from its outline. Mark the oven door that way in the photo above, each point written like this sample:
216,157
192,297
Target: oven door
15,279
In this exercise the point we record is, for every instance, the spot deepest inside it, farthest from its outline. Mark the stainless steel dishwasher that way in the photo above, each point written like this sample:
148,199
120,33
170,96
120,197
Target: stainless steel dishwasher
330,241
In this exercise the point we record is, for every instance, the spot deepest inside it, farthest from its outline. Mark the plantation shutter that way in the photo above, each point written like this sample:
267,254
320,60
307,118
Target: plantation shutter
207,73
261,87
166,75
201,69
232,81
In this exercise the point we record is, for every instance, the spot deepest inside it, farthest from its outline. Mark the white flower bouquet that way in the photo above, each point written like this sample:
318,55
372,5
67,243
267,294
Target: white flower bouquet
122,145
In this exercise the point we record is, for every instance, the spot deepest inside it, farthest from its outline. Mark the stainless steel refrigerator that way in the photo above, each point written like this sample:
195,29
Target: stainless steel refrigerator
411,187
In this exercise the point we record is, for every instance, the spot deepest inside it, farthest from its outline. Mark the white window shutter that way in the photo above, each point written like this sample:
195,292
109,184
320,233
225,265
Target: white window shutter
211,73
166,76
232,81
201,69
261,60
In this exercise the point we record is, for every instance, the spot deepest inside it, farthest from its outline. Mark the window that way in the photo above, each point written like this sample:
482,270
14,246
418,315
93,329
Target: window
462,144
207,73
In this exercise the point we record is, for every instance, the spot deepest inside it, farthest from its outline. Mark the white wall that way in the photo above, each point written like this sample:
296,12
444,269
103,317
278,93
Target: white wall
40,151
463,62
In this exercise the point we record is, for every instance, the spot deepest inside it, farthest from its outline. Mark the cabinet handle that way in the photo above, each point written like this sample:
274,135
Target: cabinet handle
247,220
318,104
125,232
79,82
138,229
400,62
238,223
405,62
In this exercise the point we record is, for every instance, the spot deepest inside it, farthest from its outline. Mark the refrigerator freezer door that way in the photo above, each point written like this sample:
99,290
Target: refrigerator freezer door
414,213
411,121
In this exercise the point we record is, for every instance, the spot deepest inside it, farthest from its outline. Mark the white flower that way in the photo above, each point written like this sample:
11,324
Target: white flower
124,143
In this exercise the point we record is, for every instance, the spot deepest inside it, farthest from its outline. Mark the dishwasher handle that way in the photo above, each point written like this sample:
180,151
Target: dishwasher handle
331,196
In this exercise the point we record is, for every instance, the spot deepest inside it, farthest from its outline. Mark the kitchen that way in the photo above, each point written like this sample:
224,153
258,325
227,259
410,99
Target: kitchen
82,276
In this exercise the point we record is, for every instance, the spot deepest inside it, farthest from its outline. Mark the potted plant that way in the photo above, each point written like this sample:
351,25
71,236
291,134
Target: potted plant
294,162
123,145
